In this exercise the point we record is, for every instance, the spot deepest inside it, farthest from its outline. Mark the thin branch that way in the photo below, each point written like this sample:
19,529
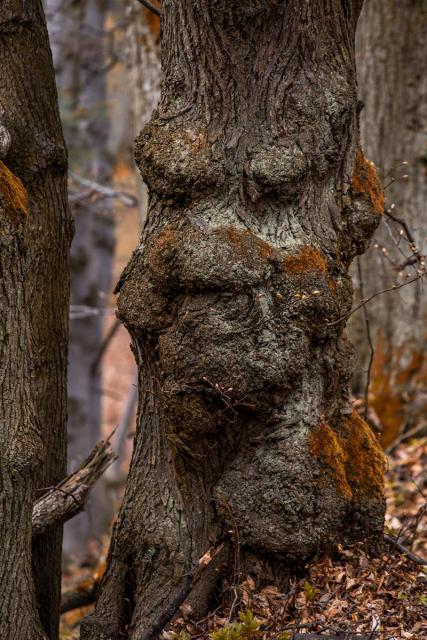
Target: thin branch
82,596
369,337
188,583
395,287
104,345
82,311
125,198
150,7
398,545
69,497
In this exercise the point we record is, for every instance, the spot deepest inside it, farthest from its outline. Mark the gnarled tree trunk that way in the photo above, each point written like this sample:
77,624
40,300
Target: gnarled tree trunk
391,54
34,321
260,196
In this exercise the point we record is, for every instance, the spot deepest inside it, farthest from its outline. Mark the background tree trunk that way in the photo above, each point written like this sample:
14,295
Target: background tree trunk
143,61
260,197
78,45
28,109
392,50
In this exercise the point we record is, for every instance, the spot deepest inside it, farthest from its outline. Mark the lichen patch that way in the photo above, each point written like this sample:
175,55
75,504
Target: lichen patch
366,182
352,457
307,260
14,197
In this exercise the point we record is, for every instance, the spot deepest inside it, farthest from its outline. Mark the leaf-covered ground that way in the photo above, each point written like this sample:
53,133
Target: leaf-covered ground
383,598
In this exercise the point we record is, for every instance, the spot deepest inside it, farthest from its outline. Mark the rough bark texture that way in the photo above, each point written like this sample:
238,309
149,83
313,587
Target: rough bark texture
69,497
33,412
22,449
143,49
78,45
391,54
260,197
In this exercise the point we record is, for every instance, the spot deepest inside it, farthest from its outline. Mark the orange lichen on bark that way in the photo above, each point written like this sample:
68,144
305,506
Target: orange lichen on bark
308,260
243,239
366,182
326,446
365,466
14,197
352,456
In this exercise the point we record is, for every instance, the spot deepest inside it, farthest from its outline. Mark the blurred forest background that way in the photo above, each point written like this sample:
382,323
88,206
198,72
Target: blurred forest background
106,57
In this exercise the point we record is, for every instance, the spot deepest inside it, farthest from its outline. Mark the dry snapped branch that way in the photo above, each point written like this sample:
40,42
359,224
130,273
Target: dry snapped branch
150,7
69,497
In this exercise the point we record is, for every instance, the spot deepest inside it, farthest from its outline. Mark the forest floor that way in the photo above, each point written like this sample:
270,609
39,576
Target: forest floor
383,598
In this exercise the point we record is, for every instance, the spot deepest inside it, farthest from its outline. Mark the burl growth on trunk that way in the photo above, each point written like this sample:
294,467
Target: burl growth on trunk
236,300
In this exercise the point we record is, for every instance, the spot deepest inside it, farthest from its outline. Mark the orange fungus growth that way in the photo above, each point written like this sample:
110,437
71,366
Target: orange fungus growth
365,182
13,195
351,456
308,260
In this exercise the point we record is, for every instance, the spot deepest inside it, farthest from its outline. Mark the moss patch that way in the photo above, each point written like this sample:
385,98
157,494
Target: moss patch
308,260
326,446
365,182
352,457
14,197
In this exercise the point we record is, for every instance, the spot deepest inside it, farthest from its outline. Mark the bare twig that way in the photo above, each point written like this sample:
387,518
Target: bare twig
69,497
188,583
398,545
369,337
395,287
406,435
104,345
125,198
81,597
150,7
82,311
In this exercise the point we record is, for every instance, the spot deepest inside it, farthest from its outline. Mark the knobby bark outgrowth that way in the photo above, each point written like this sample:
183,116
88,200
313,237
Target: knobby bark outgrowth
34,322
80,58
391,51
260,197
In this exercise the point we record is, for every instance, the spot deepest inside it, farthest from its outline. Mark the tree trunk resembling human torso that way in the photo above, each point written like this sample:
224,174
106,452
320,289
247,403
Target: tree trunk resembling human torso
260,197
391,48
34,321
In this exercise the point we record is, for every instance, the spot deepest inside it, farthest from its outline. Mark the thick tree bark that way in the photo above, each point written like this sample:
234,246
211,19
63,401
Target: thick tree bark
392,50
78,45
33,399
260,197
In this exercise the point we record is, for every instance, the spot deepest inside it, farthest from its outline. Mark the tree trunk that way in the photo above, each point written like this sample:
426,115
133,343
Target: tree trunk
33,393
78,44
392,50
260,197
143,61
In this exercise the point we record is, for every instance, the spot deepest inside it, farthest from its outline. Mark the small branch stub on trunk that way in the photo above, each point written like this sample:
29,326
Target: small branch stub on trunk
69,497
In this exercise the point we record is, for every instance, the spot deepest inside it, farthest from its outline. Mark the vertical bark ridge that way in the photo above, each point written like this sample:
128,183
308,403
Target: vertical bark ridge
28,109
22,449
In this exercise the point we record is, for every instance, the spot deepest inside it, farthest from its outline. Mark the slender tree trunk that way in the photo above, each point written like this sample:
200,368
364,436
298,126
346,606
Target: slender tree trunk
78,41
143,49
33,396
260,196
392,52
